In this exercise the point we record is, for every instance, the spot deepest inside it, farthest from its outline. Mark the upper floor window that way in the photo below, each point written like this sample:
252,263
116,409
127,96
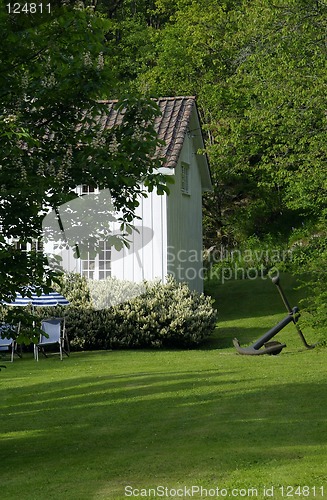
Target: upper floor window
185,178
88,189
84,189
23,246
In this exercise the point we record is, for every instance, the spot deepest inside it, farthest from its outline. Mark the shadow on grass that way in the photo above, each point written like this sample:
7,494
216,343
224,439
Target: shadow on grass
122,427
248,308
223,337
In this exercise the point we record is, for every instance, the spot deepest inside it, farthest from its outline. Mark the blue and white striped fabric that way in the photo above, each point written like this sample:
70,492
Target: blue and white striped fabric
50,299
44,300
19,301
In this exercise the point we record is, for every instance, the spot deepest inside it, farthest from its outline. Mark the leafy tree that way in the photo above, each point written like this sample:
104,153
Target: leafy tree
54,71
258,70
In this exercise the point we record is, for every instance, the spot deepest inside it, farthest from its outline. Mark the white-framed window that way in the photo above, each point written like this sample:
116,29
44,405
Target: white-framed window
84,189
88,189
97,267
23,246
185,178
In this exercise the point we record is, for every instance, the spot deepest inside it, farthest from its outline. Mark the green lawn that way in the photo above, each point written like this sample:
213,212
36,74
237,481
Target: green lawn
89,426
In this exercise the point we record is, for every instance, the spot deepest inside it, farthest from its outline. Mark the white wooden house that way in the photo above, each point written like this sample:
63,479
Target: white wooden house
169,237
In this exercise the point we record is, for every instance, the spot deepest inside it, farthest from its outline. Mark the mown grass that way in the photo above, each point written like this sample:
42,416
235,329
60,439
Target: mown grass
87,427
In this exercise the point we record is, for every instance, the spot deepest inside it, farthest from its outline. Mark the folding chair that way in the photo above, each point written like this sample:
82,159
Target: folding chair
8,345
55,331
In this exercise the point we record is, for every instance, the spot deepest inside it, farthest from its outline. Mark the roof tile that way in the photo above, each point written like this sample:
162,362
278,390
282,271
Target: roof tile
171,125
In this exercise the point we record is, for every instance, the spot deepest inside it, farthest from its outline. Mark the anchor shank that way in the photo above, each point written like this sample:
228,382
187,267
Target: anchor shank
272,332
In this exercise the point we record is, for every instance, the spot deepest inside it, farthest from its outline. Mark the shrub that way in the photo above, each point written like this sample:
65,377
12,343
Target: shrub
112,291
164,315
309,264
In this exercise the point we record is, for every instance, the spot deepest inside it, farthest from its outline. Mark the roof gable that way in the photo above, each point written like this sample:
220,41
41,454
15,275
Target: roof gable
171,125
177,116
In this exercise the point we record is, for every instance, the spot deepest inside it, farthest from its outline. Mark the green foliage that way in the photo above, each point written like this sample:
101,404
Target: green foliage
309,250
164,315
53,75
259,71
254,258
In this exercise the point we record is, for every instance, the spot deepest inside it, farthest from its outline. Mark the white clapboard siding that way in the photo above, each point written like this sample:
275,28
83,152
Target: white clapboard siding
184,223
145,259
169,240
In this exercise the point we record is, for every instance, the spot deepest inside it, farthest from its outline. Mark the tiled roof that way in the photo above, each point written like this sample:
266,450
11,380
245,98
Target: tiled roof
171,126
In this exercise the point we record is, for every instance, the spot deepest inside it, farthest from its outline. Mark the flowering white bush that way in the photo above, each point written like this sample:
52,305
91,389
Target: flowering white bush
112,291
165,315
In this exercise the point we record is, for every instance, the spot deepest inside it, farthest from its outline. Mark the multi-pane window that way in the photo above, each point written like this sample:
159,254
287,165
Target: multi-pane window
84,189
104,260
97,267
88,189
35,246
185,178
